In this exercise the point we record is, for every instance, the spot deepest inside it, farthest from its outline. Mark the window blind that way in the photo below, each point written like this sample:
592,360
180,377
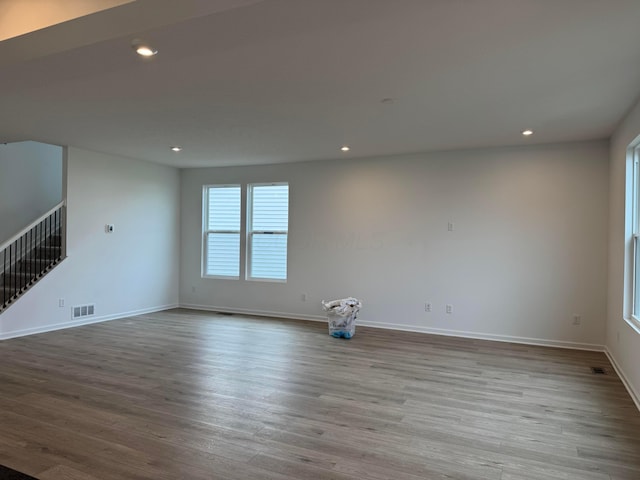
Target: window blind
269,231
222,257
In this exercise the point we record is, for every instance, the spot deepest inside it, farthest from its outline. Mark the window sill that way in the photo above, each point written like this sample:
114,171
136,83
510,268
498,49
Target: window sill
633,323
220,277
267,280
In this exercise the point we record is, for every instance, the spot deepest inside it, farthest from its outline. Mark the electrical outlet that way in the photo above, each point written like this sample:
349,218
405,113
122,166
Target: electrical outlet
451,227
109,228
193,289
304,297
427,307
61,302
449,308
577,319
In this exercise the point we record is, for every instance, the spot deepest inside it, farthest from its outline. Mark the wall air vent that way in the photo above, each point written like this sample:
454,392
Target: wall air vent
81,311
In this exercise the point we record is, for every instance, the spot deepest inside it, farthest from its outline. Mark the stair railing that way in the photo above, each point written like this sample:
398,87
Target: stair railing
31,253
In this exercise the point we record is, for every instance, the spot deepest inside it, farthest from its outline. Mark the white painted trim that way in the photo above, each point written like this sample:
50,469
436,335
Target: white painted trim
634,323
408,328
322,318
87,321
634,395
257,313
485,336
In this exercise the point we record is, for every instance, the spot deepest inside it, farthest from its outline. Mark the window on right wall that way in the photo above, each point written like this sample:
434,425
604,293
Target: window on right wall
635,242
267,231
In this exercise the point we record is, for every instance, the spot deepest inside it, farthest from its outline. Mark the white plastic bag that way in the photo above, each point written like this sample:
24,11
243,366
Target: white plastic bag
341,315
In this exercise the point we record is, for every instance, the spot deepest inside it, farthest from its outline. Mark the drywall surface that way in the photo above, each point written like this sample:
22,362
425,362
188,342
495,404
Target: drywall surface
132,270
30,184
20,18
527,250
623,342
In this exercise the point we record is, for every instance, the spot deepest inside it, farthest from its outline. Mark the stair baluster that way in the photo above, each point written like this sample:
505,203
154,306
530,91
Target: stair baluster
31,254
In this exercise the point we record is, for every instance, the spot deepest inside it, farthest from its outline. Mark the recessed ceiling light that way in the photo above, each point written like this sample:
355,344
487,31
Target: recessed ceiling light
527,132
176,149
345,148
143,49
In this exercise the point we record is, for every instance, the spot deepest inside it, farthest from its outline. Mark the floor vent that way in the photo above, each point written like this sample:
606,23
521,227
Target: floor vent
81,311
598,371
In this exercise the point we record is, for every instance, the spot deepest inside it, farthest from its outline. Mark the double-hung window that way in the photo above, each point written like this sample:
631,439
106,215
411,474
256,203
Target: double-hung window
266,229
221,242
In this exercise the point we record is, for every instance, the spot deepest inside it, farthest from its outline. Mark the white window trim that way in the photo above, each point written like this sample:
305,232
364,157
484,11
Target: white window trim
206,232
633,323
250,233
634,150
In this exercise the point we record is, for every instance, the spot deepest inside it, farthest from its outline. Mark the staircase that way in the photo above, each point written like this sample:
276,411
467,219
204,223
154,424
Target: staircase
31,254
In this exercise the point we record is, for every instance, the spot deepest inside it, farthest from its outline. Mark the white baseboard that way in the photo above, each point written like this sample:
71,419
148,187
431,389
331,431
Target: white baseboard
86,321
257,313
408,328
486,336
634,395
321,318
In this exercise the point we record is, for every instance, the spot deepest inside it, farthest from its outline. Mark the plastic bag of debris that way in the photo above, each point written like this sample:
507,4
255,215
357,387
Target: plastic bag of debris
341,315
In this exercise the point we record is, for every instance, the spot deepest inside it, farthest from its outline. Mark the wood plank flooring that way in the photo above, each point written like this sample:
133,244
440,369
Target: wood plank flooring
195,395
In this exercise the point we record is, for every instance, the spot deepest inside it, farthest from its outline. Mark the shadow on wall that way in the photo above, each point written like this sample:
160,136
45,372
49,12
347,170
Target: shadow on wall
30,184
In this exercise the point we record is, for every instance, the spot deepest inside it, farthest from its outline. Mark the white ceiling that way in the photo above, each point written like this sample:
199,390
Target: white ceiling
18,17
240,82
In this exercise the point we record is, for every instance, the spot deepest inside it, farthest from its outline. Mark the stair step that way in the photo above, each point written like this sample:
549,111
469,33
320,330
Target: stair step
9,299
35,264
18,274
55,240
24,282
47,252
16,282
25,278
9,293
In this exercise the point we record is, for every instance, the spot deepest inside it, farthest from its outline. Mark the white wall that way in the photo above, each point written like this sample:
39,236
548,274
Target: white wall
623,342
528,250
30,184
132,270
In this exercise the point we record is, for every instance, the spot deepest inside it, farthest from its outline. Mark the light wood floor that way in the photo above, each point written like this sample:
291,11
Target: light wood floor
192,395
